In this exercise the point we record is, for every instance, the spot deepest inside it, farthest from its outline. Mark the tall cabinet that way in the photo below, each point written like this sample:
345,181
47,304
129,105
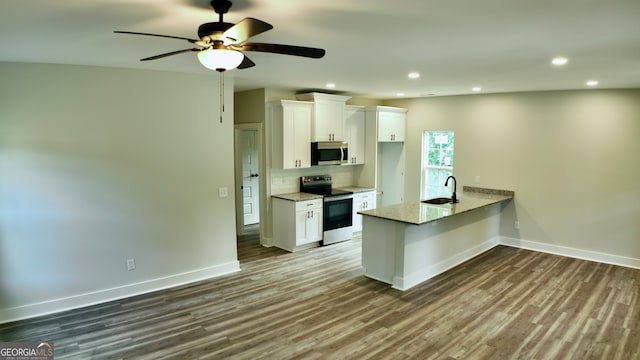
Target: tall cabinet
384,146
291,133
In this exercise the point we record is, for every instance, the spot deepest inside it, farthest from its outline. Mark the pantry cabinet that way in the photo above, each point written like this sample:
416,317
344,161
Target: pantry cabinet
291,133
385,164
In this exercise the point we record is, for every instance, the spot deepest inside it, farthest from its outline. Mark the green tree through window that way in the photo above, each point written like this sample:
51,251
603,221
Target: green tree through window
437,162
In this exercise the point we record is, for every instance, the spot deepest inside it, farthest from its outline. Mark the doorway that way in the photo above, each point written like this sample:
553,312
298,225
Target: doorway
248,169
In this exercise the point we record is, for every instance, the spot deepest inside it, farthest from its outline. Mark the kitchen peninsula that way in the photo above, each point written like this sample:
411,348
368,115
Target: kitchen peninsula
406,244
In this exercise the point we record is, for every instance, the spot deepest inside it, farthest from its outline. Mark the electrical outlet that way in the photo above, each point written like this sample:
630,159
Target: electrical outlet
516,225
131,264
223,192
477,179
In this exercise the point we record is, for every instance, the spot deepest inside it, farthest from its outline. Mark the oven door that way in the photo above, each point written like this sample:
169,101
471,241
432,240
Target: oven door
338,212
337,219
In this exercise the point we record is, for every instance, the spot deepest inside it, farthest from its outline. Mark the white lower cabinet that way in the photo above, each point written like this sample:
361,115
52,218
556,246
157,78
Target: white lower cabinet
362,201
297,224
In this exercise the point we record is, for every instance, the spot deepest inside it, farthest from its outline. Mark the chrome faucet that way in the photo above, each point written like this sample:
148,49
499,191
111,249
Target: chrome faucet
454,199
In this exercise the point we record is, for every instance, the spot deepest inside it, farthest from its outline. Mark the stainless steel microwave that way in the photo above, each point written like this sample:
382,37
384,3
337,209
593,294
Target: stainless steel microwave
329,153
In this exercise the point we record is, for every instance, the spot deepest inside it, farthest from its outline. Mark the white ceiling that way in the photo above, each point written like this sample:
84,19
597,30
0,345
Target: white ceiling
499,45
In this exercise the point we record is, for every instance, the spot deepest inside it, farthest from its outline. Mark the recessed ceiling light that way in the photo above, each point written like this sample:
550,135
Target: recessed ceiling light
414,75
400,94
476,89
559,61
592,83
330,85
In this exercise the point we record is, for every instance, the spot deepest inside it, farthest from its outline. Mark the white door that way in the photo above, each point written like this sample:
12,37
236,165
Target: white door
250,193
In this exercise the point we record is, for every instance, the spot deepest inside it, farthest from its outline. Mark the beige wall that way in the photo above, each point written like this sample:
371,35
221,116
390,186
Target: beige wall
98,165
573,159
249,106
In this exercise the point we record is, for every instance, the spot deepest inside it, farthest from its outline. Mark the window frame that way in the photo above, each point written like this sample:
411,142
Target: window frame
429,191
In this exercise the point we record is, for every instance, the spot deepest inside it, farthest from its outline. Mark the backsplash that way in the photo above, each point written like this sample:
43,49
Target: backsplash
288,181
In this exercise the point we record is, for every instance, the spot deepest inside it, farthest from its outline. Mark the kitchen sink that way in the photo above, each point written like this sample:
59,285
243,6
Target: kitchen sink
437,201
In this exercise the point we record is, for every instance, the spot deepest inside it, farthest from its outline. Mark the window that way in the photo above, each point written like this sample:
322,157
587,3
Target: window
437,162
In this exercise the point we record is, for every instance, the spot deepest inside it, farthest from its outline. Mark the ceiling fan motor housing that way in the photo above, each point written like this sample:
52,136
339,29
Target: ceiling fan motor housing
213,30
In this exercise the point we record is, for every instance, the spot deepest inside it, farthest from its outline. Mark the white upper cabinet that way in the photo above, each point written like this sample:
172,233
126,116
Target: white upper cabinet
291,131
328,117
391,126
355,133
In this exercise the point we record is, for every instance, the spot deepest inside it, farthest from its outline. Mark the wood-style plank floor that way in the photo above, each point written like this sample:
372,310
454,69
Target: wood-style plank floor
315,304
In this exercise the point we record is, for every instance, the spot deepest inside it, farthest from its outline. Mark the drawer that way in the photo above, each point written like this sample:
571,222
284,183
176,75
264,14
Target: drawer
364,196
309,204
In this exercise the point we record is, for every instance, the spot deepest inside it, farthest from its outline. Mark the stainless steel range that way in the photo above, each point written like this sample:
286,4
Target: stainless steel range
337,219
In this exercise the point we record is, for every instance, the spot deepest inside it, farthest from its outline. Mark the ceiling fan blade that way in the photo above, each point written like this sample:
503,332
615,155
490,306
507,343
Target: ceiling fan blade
284,49
169,54
246,63
157,35
245,29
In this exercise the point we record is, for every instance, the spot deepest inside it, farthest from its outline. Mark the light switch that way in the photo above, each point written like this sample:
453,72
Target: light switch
223,192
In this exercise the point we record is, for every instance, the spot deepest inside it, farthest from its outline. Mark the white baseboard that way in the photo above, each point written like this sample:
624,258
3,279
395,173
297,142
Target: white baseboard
571,252
413,279
102,296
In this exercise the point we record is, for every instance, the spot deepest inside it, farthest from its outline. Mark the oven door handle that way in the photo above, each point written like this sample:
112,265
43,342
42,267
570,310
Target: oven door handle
337,198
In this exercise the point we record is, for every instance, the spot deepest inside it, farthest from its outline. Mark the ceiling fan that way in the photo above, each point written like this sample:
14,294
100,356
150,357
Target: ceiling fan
221,45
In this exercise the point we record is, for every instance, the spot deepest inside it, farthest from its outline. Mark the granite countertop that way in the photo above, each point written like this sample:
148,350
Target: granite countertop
355,189
419,213
299,196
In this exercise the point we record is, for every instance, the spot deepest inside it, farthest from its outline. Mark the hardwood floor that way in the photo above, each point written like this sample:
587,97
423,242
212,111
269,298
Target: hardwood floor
504,304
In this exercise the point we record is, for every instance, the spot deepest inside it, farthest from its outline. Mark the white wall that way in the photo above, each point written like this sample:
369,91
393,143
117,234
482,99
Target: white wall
99,165
572,158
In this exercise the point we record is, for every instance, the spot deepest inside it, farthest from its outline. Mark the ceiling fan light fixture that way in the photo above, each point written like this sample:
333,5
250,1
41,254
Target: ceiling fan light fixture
220,59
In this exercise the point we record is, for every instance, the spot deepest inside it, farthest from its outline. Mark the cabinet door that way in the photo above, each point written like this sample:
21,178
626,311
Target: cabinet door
362,201
391,126
296,134
355,132
328,121
314,226
308,226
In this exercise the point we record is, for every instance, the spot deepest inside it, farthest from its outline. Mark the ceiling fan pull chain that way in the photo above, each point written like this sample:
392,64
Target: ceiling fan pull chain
221,95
